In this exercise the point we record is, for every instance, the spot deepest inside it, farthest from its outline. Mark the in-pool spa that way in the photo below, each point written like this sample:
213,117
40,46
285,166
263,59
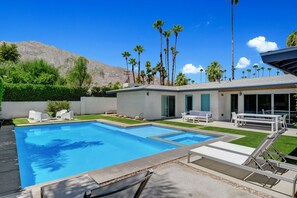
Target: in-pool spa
49,152
187,138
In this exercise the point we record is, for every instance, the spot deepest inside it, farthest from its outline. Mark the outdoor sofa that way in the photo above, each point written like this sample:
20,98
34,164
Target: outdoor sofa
197,116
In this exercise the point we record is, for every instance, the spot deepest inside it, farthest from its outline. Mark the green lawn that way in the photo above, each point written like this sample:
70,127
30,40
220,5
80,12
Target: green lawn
115,119
285,144
18,121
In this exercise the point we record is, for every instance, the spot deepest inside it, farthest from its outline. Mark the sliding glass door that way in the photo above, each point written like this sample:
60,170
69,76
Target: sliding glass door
278,104
168,106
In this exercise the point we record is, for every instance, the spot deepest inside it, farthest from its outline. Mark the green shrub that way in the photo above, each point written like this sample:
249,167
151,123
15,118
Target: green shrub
31,92
55,106
1,91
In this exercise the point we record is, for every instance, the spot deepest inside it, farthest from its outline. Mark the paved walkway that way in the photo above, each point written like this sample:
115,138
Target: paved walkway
9,168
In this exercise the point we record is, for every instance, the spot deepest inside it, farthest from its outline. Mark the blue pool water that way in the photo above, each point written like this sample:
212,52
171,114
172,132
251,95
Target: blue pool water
51,152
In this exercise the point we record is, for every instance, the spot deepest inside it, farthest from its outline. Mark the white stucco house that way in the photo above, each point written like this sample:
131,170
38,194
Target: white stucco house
273,95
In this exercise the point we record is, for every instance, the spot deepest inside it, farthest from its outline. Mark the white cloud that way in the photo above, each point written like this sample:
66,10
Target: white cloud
191,69
243,63
261,44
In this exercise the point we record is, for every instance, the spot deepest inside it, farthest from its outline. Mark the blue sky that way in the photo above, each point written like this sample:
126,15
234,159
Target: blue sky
102,30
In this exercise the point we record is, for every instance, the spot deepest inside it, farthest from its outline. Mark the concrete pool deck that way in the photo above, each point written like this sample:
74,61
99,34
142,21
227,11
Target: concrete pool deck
173,176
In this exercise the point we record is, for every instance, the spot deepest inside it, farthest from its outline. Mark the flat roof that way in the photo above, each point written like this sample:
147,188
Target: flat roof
283,59
247,83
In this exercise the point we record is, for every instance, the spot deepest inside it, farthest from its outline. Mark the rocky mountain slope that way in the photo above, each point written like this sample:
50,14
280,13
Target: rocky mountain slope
102,73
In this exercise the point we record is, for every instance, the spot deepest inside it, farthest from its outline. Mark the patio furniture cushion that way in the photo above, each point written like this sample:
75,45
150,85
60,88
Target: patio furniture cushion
201,113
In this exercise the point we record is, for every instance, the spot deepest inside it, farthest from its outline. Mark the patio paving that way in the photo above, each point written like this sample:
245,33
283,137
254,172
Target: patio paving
9,168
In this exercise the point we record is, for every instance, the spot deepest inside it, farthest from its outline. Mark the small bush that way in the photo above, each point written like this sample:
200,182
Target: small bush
31,92
55,106
1,91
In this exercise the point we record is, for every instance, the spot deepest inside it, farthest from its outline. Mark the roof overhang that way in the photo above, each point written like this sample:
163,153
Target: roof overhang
283,59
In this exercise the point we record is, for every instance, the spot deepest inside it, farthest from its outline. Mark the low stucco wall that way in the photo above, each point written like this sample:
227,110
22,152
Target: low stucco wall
93,105
87,105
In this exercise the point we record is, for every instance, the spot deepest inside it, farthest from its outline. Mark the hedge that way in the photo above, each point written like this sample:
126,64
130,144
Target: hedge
31,92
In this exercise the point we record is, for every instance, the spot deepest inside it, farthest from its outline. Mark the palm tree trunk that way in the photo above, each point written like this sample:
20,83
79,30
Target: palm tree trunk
232,32
161,60
128,75
133,74
138,66
174,59
167,56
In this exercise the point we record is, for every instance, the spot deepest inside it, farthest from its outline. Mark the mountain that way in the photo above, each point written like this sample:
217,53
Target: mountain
102,73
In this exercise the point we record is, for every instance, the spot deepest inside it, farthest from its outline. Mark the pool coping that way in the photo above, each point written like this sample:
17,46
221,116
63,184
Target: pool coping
111,173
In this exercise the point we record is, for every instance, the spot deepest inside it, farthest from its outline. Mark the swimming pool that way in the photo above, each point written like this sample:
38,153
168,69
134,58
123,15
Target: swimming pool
49,152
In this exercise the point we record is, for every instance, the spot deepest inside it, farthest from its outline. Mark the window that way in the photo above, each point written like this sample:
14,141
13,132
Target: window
264,103
281,104
250,102
205,102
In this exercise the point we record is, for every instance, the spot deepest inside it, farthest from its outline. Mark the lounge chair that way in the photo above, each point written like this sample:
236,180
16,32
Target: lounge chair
67,116
32,115
38,116
126,188
245,156
60,113
85,186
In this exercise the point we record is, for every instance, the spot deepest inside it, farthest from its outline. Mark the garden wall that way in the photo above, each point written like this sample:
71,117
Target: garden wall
86,105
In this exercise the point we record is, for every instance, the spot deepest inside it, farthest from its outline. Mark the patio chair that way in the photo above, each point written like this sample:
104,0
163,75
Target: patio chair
60,113
245,157
283,121
233,117
263,111
126,188
67,116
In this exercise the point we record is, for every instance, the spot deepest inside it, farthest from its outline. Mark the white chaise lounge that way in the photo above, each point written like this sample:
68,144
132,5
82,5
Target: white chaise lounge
241,157
67,116
60,113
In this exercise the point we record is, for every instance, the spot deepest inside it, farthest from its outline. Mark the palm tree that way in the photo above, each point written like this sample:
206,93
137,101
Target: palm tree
249,71
181,79
126,55
254,74
255,67
258,70
243,73
292,39
149,76
233,2
132,62
176,30
214,71
139,49
269,69
277,72
142,74
167,35
159,26
201,70
262,68
225,73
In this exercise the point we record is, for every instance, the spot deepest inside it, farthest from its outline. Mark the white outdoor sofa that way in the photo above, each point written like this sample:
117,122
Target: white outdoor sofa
202,115
60,113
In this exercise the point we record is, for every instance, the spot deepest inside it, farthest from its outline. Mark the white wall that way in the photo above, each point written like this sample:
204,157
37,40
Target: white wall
87,105
131,104
94,105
